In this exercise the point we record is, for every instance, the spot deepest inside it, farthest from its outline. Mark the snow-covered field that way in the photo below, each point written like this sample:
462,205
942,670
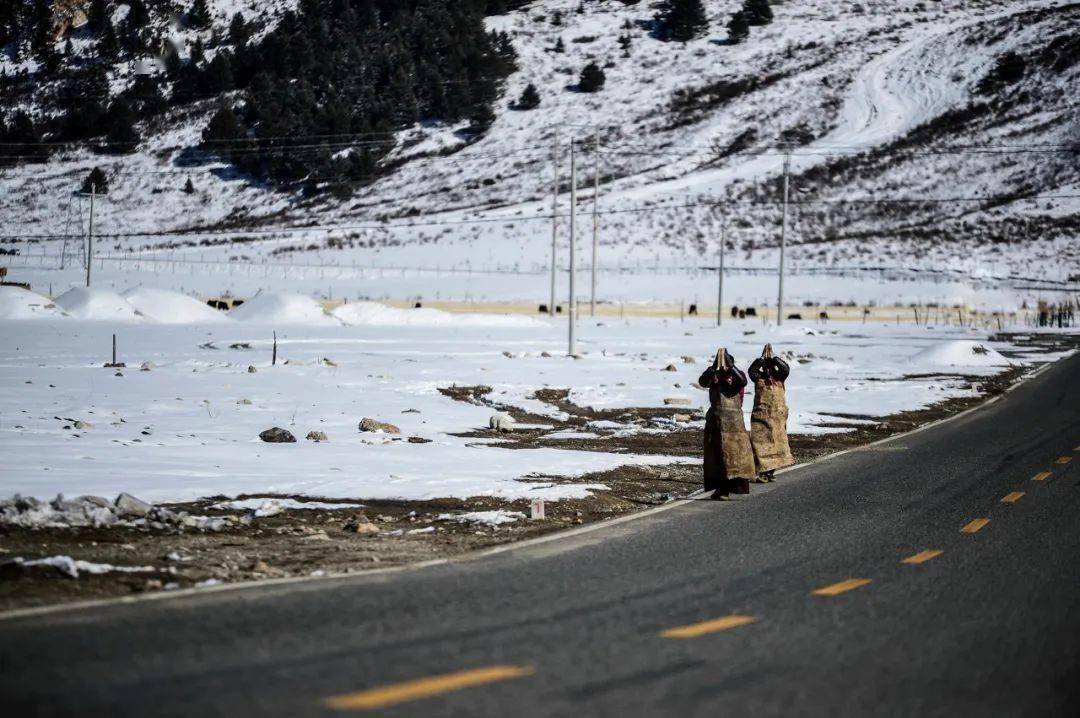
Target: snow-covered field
188,427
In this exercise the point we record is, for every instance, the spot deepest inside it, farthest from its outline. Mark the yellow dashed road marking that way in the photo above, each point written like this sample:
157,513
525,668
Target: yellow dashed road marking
1063,460
700,629
1041,476
1012,498
923,556
974,526
842,587
424,688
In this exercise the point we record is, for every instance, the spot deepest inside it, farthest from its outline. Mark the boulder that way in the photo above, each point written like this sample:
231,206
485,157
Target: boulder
317,436
678,401
369,424
252,369
146,366
26,503
277,435
99,501
83,425
502,422
129,505
671,367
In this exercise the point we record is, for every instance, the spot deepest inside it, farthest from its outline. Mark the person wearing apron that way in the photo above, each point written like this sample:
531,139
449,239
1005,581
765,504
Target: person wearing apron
729,458
768,421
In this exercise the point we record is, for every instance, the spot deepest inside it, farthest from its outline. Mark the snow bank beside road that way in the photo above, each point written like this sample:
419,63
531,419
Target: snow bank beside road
274,308
18,303
97,305
960,353
166,307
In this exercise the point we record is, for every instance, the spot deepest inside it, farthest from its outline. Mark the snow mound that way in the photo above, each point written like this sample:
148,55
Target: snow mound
71,567
19,303
97,305
278,505
488,518
166,307
274,308
375,314
960,352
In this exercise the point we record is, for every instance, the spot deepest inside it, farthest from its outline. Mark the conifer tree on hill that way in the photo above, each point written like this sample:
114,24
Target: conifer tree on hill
530,98
95,182
592,78
738,28
198,16
681,20
757,12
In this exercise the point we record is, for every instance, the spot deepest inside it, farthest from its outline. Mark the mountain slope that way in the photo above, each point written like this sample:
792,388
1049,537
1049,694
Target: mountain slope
938,136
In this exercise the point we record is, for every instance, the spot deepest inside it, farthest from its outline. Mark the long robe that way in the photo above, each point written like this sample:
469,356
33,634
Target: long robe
768,426
728,454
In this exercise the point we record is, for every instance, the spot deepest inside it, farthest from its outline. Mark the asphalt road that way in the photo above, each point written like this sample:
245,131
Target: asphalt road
990,626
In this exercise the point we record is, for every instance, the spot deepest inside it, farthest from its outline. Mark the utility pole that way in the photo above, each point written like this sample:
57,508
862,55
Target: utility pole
720,276
783,240
595,218
90,235
554,219
572,308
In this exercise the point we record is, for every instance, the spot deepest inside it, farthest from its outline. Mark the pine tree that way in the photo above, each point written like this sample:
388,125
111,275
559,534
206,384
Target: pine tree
480,119
41,37
223,127
198,54
121,133
198,16
98,16
145,95
239,32
592,78
530,98
738,28
108,44
757,12
137,15
219,75
681,20
96,181
132,25
560,46
189,188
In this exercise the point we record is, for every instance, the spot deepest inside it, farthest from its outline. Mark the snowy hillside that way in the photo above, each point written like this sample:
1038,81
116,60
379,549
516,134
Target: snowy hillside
924,136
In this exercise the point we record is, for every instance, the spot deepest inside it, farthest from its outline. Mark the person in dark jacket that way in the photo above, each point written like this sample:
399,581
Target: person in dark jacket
729,458
768,421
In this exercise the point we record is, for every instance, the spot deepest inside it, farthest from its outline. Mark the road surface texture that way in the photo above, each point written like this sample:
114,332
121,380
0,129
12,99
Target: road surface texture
796,600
